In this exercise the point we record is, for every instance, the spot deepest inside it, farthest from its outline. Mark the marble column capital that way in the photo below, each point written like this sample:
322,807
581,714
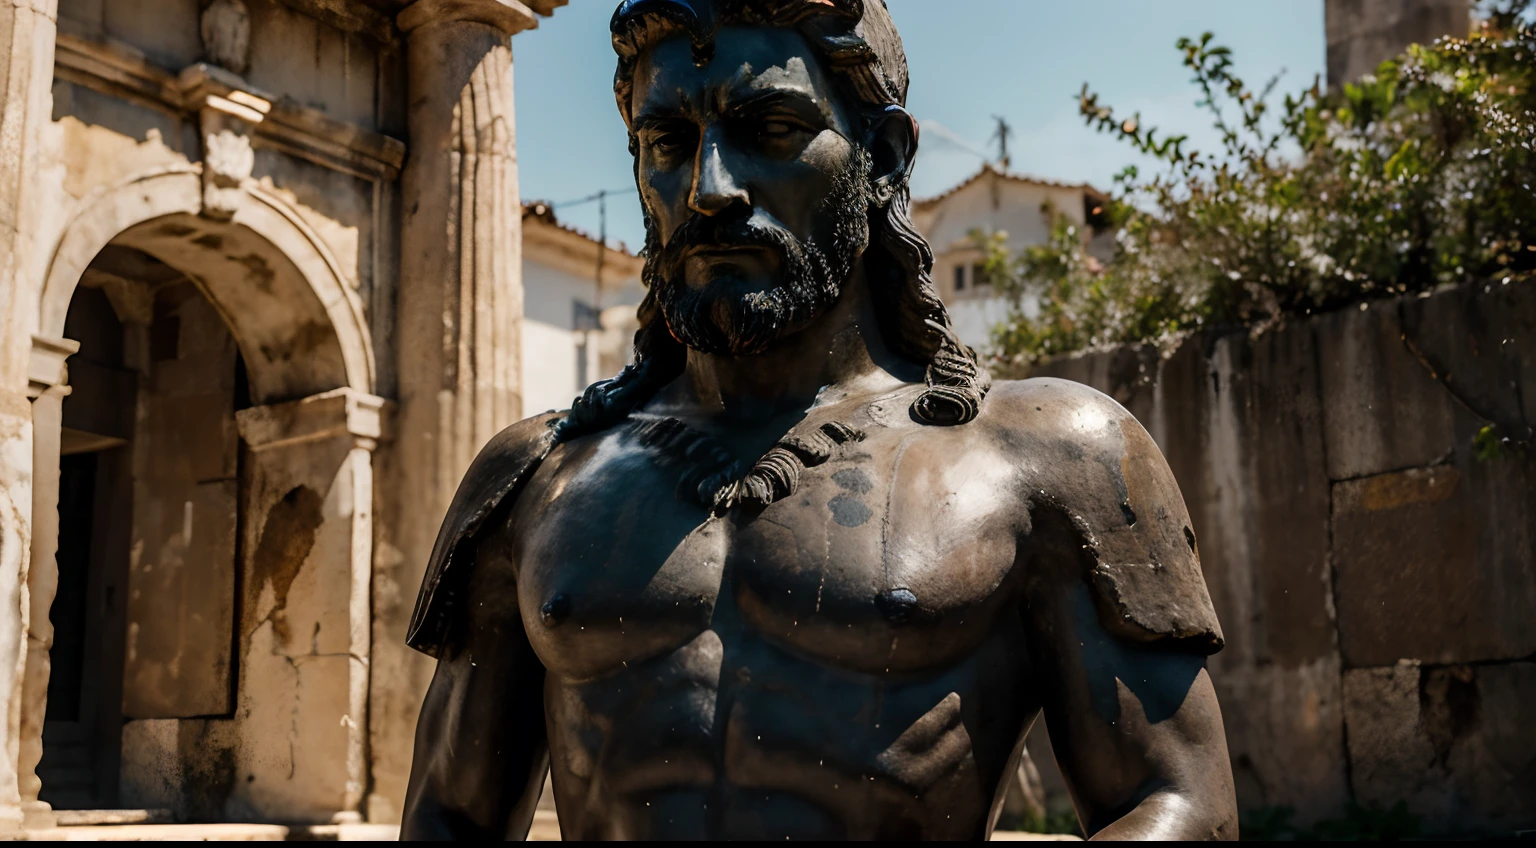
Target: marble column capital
509,16
45,367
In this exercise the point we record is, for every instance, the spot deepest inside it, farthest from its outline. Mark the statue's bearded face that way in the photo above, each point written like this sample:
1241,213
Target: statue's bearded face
756,196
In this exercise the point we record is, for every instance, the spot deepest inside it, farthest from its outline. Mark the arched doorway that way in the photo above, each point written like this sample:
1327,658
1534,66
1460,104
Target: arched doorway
209,646
148,509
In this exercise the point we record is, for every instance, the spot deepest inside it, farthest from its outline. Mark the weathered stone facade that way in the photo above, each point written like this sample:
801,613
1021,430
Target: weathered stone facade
262,276
1375,577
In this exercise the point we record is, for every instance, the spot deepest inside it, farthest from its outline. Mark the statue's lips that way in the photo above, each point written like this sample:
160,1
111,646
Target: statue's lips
705,262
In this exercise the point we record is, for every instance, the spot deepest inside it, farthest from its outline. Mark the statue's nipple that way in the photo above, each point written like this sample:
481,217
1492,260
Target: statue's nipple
555,610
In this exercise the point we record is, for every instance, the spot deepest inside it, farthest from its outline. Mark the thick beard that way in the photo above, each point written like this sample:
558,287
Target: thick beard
721,319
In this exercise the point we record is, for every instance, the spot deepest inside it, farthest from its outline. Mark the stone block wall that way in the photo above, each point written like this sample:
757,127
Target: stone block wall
1376,578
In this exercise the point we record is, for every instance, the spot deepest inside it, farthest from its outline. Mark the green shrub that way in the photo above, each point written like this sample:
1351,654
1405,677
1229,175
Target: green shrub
1416,177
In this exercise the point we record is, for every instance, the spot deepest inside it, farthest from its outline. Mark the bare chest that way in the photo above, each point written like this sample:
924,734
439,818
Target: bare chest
891,557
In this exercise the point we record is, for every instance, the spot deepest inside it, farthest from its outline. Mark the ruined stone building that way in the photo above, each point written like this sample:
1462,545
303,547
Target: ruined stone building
262,275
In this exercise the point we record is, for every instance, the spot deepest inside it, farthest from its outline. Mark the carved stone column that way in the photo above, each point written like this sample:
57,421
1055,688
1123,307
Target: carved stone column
460,312
461,245
47,378
28,35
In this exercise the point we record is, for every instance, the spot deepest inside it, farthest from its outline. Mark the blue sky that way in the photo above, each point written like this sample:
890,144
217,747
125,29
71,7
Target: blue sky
970,59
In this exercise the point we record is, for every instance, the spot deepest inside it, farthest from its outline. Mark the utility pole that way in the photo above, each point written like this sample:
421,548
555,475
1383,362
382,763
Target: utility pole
1001,137
602,250
589,342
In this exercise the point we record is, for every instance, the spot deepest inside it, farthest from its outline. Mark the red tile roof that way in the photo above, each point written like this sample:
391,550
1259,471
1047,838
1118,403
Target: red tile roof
988,168
545,213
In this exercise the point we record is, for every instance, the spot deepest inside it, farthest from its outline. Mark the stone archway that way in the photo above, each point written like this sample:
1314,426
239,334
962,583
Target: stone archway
306,306
306,443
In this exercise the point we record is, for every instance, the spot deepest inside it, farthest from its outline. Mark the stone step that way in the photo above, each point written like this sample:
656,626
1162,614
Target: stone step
82,818
164,833
545,829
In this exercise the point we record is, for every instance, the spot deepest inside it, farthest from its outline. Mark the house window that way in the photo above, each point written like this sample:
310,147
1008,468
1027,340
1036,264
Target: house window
585,318
979,275
959,278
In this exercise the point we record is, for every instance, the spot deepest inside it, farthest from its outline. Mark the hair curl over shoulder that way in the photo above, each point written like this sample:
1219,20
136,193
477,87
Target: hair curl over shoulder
859,43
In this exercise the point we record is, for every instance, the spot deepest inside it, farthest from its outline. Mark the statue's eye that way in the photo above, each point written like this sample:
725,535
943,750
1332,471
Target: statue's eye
670,141
780,128
776,128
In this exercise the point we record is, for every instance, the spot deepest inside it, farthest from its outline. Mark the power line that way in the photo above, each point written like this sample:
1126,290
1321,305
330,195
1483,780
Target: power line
946,134
593,198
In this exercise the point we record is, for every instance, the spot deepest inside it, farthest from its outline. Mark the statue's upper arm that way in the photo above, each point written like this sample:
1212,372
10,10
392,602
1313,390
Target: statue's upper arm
1109,488
500,470
1119,618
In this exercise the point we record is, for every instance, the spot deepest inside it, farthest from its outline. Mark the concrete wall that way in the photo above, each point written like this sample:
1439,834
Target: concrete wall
1375,579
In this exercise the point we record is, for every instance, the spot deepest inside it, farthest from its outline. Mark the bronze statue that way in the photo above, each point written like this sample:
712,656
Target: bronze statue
802,571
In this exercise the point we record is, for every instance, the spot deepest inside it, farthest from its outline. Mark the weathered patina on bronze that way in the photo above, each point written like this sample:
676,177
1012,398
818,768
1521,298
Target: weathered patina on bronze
802,571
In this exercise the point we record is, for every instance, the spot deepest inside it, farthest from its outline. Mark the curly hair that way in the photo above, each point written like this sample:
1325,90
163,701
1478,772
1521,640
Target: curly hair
859,43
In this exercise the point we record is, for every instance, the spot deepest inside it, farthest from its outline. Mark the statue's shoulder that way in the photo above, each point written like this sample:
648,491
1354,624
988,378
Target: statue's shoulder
1063,422
1097,470
500,470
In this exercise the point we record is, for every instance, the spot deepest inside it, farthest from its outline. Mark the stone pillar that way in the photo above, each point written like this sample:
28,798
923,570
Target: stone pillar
460,313
324,443
461,290
27,37
47,380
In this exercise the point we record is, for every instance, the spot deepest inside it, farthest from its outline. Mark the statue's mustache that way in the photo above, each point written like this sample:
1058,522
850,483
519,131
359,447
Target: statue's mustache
728,229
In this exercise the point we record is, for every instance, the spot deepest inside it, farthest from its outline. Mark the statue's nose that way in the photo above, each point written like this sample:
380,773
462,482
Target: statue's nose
714,186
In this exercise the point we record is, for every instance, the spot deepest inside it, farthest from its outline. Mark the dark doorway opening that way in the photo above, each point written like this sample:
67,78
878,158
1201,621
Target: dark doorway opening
83,726
143,615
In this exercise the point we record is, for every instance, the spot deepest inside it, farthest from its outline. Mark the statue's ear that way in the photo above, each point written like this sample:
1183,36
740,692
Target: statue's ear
892,143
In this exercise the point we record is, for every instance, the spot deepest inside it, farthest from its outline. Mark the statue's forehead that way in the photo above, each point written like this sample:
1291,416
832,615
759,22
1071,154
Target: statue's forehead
745,60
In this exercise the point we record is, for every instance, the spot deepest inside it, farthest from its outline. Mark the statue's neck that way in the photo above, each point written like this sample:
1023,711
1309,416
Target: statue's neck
841,354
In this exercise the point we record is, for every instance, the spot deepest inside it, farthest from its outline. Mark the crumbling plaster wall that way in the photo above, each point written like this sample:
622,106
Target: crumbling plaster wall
1374,577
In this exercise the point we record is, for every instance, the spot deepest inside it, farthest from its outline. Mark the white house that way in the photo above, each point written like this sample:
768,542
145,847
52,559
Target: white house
995,200
574,332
